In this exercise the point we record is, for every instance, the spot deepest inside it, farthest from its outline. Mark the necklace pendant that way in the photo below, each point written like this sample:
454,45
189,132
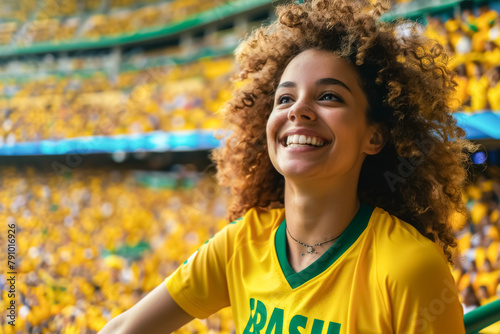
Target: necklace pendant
310,250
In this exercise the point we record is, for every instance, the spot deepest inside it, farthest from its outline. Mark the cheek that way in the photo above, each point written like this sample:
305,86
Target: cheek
348,123
269,127
272,127
272,130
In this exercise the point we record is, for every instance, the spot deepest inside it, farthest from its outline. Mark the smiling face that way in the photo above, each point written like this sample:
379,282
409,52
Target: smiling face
318,125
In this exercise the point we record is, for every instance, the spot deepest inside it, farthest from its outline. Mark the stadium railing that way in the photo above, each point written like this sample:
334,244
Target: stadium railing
192,22
482,317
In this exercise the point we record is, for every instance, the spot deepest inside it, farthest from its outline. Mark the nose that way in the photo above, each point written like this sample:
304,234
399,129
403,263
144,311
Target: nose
301,111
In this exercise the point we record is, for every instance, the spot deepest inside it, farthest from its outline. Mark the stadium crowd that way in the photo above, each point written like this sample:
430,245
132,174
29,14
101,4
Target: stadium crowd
28,22
184,97
91,243
473,40
477,266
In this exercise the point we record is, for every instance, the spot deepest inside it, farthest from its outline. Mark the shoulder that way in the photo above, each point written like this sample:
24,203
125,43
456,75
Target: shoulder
258,223
392,232
414,278
403,253
263,216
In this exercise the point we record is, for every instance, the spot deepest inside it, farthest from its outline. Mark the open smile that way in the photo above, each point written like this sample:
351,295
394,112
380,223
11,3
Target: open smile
298,141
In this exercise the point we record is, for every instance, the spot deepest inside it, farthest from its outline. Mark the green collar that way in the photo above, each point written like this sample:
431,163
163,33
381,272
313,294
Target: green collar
348,237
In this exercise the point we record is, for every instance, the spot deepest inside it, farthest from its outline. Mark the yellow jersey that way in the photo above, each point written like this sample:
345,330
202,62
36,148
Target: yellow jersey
380,276
486,20
491,58
478,89
494,97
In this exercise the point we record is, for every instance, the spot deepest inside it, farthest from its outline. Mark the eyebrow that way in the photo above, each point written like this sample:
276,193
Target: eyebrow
320,82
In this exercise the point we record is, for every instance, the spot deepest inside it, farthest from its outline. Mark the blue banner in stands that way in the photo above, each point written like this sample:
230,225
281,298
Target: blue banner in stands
480,125
157,141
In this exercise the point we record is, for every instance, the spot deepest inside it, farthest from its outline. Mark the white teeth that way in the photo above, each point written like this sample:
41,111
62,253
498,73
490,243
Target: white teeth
303,140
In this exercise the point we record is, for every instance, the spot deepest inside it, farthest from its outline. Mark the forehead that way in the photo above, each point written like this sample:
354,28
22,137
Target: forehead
314,64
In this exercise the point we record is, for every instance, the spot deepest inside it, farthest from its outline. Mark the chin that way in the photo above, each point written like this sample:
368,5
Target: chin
294,172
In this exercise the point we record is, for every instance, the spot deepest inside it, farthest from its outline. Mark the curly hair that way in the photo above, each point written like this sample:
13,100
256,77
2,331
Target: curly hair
421,171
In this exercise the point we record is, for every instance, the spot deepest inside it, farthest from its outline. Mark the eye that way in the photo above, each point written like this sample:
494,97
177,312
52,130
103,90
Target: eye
284,99
331,97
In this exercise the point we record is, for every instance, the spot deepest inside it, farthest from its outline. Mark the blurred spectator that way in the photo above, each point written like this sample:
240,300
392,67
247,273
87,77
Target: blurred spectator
478,87
493,93
470,301
462,96
484,295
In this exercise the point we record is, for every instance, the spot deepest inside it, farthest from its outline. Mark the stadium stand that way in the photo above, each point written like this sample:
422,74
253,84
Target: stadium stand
94,234
473,40
64,20
66,107
477,268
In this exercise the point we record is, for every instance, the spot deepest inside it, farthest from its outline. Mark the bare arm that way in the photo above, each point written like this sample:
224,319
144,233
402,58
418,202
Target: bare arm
155,313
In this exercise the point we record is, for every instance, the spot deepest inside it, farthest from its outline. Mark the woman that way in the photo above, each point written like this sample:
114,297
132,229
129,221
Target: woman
345,165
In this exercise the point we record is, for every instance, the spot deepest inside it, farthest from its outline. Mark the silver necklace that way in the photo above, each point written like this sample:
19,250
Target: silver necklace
310,249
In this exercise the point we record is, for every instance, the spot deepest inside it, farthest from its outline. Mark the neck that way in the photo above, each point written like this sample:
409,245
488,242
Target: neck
320,212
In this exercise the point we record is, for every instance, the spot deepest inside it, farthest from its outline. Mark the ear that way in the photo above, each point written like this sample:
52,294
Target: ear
377,139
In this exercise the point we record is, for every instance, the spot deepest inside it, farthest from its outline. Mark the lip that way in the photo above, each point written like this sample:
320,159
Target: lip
303,148
305,132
